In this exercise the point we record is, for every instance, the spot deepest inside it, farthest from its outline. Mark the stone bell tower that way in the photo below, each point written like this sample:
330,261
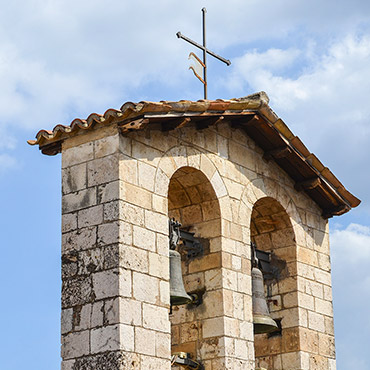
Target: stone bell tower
232,173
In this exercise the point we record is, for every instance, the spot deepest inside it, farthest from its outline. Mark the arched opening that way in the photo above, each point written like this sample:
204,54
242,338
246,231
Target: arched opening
272,231
193,202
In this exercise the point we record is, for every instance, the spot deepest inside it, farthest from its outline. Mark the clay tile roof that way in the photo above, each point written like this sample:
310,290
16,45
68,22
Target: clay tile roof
251,113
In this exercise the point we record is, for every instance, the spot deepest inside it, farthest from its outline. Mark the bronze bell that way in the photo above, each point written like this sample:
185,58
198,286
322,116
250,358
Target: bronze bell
262,321
178,295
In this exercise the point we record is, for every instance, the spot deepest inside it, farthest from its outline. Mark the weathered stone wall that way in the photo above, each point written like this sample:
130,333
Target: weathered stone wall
115,294
115,273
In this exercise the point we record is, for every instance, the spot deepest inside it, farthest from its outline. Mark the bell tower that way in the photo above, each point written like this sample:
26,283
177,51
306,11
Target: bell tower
229,198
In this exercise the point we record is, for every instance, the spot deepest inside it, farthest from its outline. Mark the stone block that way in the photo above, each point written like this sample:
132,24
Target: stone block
241,349
159,266
316,321
97,312
161,183
231,327
241,155
306,301
112,338
111,256
131,213
145,341
324,307
112,283
103,170
238,303
79,240
153,363
136,195
213,327
193,154
159,204
323,277
329,325
218,185
75,345
246,330
193,282
324,262
77,154
307,256
206,166
132,258
230,279
332,364
81,317
67,365
318,362
310,287
66,320
328,295
90,216
305,271
145,287
236,263
309,340
162,345
222,146
156,318
76,291
212,304
69,222
190,332
156,222
128,169
293,317
108,192
213,279
162,244
74,178
208,229
191,214
211,348
107,145
204,263
146,176
125,144
291,361
110,360
114,232
144,238
164,291
79,200
146,153
326,345
287,285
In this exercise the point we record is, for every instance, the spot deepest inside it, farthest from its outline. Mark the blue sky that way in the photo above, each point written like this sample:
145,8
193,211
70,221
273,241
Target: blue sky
65,59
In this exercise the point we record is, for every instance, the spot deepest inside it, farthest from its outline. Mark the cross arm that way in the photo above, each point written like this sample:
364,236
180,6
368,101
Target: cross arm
181,36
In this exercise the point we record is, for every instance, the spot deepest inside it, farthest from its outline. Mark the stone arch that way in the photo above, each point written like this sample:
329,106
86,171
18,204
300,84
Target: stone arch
193,202
188,156
264,187
272,231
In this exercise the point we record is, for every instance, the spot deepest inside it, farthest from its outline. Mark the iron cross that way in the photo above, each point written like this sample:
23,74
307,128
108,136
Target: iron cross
205,51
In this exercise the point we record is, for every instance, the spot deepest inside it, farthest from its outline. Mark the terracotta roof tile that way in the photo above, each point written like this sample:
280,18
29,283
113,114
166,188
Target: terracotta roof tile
252,113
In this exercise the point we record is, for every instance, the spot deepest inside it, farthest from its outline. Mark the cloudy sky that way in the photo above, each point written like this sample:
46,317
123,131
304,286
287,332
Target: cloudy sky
65,59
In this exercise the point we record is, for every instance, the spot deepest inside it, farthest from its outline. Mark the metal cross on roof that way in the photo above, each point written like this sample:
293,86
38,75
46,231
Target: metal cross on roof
199,65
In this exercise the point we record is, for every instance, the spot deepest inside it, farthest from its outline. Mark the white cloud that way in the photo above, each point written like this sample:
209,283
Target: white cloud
62,59
351,246
350,250
325,102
